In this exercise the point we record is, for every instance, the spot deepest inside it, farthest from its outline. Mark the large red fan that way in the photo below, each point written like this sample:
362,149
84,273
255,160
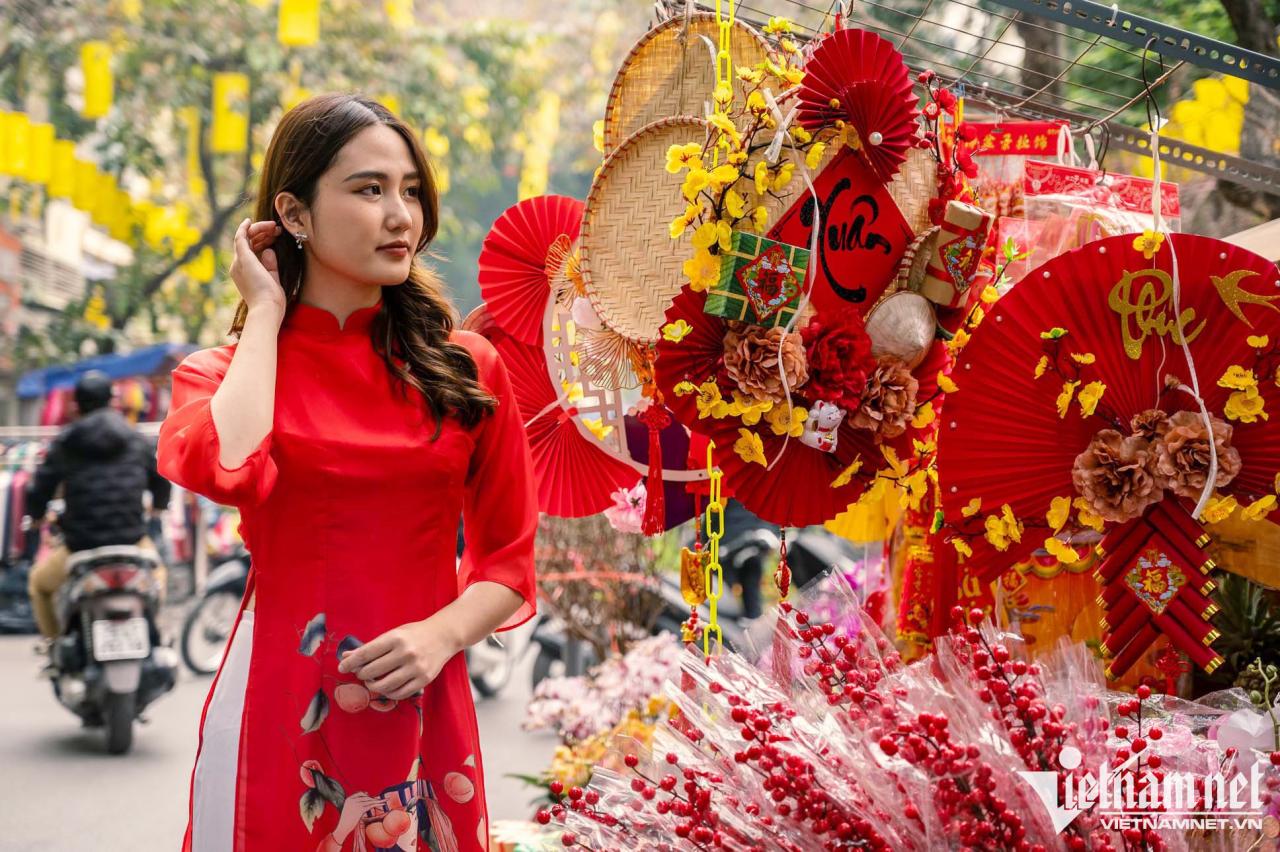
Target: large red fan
575,477
1002,440
513,262
868,82
797,490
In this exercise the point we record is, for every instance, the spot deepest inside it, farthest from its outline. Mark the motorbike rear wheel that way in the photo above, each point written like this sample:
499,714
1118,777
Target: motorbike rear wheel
207,629
118,713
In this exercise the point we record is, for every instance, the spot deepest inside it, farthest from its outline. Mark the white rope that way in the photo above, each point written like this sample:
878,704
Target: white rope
807,285
1161,227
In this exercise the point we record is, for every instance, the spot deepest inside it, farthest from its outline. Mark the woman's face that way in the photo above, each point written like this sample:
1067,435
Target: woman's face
367,216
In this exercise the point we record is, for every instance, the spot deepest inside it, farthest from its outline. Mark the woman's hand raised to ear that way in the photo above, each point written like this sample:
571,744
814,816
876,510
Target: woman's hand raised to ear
255,269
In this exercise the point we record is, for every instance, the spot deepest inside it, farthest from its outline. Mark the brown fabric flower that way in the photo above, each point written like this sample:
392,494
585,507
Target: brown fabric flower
1182,454
1150,424
1116,475
889,398
751,354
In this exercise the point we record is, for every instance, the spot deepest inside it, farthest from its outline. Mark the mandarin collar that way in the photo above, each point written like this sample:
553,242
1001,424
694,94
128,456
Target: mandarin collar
309,319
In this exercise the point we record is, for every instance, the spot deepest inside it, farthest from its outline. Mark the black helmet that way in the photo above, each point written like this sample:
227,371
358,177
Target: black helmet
93,391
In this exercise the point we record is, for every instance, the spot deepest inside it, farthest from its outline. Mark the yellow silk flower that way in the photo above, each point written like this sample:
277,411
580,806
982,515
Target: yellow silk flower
1086,515
676,331
1059,511
1218,509
749,447
749,408
972,508
945,384
1238,378
1089,396
684,157
1065,553
684,220
781,424
1065,397
703,270
1245,406
710,403
697,180
1148,242
1259,508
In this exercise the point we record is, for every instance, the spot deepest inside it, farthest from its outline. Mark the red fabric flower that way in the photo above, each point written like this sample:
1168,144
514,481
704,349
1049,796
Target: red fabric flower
945,98
964,159
931,110
839,356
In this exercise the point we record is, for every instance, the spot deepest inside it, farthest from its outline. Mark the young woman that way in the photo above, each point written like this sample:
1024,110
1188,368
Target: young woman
352,426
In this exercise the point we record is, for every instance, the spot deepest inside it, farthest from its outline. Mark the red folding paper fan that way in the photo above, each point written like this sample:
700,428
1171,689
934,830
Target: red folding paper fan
1002,439
797,490
513,261
866,78
575,477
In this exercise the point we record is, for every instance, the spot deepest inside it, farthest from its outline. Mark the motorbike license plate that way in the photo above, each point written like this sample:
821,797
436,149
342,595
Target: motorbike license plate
121,640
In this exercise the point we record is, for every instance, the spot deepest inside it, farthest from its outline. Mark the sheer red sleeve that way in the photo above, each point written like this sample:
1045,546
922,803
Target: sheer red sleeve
189,451
500,512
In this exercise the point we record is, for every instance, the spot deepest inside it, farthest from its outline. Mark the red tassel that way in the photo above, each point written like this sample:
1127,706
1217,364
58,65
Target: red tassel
656,417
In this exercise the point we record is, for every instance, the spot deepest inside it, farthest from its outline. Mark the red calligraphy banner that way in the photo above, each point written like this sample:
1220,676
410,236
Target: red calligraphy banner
1014,138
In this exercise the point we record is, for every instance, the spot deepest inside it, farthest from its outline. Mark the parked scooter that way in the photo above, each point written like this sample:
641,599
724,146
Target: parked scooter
207,627
109,663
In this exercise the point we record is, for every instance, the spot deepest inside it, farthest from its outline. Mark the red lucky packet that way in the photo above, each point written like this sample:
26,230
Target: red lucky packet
864,235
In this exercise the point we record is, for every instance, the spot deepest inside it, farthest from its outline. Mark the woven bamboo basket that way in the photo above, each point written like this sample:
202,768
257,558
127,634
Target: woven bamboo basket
631,268
912,187
672,72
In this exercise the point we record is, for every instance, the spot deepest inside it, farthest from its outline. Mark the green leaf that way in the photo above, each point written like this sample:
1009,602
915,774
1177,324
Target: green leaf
317,712
310,806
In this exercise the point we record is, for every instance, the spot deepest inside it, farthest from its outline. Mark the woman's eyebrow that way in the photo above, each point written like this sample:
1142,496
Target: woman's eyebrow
375,175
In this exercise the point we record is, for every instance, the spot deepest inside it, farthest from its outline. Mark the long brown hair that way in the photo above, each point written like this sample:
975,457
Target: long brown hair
411,331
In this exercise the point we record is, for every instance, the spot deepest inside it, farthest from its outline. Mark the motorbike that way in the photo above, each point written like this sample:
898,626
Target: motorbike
207,627
491,663
109,662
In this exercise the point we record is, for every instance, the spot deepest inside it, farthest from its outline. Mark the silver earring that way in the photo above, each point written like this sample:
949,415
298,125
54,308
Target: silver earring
299,238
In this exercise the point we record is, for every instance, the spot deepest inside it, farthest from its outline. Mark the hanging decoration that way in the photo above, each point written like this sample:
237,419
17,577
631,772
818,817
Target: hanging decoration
298,22
229,133
859,78
99,85
514,273
1076,416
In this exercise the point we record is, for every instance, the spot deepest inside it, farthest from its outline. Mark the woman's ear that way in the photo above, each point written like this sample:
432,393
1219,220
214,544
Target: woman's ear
294,215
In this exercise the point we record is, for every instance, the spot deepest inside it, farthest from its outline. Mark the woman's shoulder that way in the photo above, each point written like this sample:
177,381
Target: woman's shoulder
212,362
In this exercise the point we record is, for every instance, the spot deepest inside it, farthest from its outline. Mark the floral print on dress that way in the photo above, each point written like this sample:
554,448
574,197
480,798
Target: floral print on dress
405,816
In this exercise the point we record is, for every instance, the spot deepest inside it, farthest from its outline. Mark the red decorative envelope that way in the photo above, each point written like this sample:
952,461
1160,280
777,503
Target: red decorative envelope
864,235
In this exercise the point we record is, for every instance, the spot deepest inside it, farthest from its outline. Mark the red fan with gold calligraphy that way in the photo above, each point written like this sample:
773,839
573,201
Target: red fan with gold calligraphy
1075,415
576,478
513,266
860,78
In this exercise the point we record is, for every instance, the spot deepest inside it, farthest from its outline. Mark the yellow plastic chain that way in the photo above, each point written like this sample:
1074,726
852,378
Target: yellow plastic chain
724,68
715,512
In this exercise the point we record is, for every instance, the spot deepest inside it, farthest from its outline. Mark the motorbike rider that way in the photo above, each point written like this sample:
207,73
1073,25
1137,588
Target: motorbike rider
104,468
746,568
